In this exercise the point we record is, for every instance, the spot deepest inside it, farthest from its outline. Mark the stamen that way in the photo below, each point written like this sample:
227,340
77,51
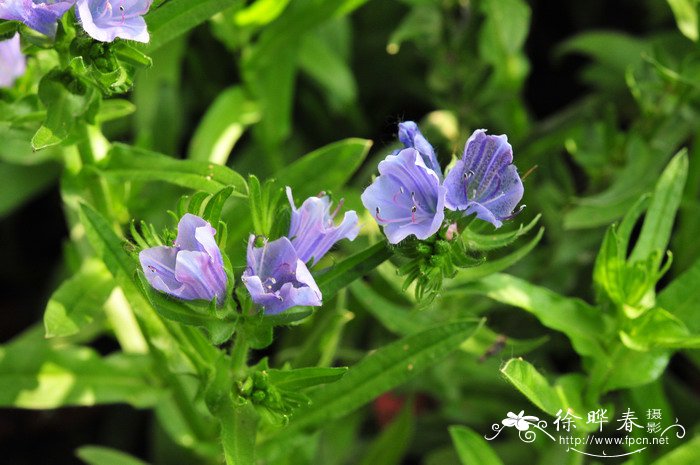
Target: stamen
337,209
515,213
528,172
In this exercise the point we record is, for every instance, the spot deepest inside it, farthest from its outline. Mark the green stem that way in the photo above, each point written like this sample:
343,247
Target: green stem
91,148
239,355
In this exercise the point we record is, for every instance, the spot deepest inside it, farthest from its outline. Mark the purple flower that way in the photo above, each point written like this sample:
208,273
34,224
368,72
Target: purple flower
485,181
411,137
105,20
277,278
12,62
40,15
312,230
406,198
193,268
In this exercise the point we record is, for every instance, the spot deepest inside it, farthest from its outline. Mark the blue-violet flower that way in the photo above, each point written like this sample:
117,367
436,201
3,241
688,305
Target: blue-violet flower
277,278
193,268
411,137
312,230
406,198
485,181
105,20
12,62
40,15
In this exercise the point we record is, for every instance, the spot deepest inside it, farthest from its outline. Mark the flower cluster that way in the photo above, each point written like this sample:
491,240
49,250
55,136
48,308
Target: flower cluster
409,196
103,20
276,276
12,62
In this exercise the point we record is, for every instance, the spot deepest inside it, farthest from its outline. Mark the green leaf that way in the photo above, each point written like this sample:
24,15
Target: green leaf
683,304
564,395
397,319
493,266
335,163
22,183
37,374
324,65
78,301
506,26
239,425
486,242
269,69
472,448
113,109
126,162
685,454
614,50
173,18
260,12
626,368
656,230
331,280
394,441
98,455
381,371
686,13
583,324
69,100
222,126
658,328
300,378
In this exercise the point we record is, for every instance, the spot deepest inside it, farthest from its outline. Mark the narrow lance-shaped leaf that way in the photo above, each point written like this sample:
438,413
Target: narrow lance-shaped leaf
381,371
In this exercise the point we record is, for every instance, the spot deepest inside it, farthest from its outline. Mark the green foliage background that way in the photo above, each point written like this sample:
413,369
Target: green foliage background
589,312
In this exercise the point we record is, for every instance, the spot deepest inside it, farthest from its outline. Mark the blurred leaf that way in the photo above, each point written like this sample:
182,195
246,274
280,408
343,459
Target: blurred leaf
158,123
337,277
35,374
133,163
269,69
222,126
472,448
114,109
390,446
335,163
301,378
678,299
173,18
686,13
326,66
381,371
98,455
615,50
22,183
506,27
260,12
685,454
583,324
658,222
78,300
397,319
422,24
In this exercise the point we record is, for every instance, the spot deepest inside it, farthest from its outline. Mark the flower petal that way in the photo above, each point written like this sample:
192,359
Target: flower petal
158,264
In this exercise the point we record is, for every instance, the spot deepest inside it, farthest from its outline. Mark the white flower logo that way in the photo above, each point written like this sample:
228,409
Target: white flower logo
520,421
